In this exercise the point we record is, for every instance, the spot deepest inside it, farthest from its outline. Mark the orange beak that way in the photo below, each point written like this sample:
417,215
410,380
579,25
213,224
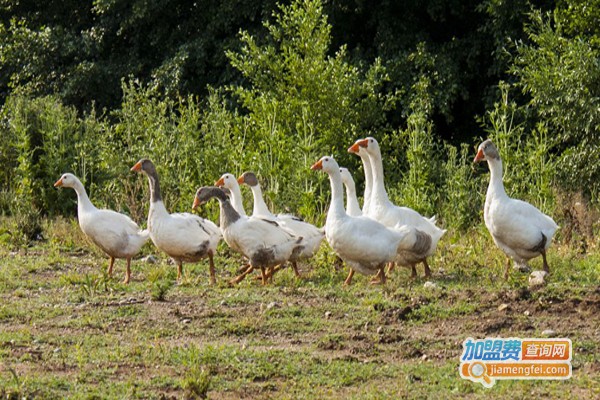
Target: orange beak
241,180
58,183
220,182
137,167
317,166
196,203
479,157
354,148
363,143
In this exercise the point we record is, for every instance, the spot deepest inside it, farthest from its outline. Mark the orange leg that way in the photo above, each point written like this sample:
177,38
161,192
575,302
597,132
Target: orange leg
241,277
128,271
211,263
264,276
179,270
348,280
391,266
379,279
546,267
110,266
376,279
296,272
427,270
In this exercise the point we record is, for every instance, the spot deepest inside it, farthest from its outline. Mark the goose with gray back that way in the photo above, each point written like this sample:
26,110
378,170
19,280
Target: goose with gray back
312,235
519,229
114,233
263,242
184,237
383,210
364,244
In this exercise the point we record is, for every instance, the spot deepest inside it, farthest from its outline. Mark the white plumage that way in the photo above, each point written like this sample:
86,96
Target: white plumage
262,241
184,237
352,206
114,233
312,236
363,243
383,210
519,229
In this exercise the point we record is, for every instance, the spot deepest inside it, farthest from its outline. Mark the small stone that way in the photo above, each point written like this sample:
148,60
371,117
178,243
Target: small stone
273,304
186,320
548,333
526,313
328,314
537,279
57,350
379,330
502,307
424,357
150,259
430,285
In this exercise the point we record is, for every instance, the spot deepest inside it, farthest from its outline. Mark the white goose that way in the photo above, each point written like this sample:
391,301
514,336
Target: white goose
384,211
263,242
116,234
363,243
184,237
312,235
229,181
519,229
352,206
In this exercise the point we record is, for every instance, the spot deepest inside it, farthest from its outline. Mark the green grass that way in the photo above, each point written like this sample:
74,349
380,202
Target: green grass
69,331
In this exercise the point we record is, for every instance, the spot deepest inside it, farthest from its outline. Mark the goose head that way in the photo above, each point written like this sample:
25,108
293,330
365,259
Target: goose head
249,178
359,147
144,165
326,164
487,151
206,193
226,181
66,180
369,145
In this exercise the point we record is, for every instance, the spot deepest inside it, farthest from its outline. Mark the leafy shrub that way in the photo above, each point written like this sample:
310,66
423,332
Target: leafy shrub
560,73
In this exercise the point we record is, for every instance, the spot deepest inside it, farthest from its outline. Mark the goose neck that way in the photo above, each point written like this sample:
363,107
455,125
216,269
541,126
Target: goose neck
352,206
368,181
237,199
496,186
260,207
378,194
336,209
84,203
228,215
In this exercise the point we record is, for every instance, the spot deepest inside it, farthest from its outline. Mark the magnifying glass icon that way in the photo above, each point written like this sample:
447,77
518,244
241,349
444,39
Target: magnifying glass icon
478,370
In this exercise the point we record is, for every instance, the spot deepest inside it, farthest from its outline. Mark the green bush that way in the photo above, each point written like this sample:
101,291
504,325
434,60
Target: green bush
559,72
